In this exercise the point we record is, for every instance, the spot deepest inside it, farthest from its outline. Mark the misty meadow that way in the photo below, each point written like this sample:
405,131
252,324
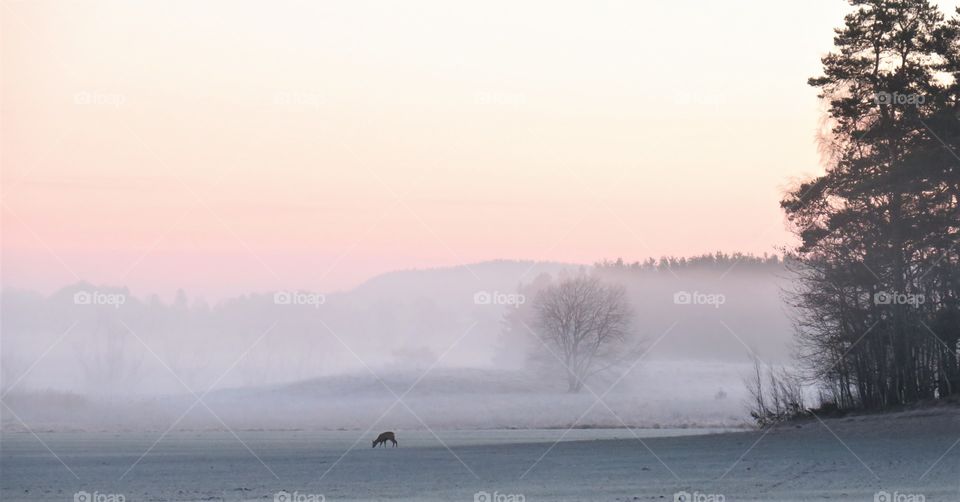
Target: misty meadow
502,252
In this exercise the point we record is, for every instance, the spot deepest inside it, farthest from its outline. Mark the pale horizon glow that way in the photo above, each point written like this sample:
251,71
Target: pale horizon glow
228,147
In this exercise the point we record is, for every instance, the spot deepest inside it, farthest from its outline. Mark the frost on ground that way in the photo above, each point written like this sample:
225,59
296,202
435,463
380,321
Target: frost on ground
907,454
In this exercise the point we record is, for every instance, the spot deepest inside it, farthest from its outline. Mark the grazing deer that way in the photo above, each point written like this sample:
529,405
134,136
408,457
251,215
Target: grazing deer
383,438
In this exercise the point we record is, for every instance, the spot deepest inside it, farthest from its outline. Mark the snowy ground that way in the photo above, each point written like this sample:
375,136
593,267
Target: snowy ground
844,459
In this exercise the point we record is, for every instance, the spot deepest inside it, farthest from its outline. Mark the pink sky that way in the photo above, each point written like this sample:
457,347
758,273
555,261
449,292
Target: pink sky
227,147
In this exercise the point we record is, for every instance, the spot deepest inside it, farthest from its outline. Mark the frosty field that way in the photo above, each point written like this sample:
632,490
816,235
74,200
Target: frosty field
843,459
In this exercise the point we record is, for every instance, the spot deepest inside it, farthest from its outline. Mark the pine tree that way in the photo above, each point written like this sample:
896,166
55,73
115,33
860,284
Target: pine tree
878,227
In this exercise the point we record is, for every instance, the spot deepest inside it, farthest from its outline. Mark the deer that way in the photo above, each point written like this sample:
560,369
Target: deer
383,438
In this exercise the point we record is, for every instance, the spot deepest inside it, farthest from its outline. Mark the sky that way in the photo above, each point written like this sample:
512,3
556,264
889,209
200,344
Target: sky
224,147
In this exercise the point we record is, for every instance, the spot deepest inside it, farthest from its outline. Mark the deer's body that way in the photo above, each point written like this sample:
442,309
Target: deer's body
383,438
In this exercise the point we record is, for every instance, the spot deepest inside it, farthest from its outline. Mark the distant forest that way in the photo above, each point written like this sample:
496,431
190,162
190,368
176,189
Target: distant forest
717,261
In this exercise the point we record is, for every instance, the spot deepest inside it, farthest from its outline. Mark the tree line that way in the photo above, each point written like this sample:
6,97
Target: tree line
878,290
718,261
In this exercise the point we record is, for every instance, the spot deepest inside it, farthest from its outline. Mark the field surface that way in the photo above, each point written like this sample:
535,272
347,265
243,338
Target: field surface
842,459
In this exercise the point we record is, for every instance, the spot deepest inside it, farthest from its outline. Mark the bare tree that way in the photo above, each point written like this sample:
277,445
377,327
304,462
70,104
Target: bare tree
587,323
774,394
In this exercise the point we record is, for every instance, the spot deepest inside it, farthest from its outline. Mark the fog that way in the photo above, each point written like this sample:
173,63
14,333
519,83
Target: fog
451,344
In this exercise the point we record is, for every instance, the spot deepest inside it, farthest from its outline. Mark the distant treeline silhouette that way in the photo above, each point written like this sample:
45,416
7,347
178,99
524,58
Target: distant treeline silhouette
717,261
